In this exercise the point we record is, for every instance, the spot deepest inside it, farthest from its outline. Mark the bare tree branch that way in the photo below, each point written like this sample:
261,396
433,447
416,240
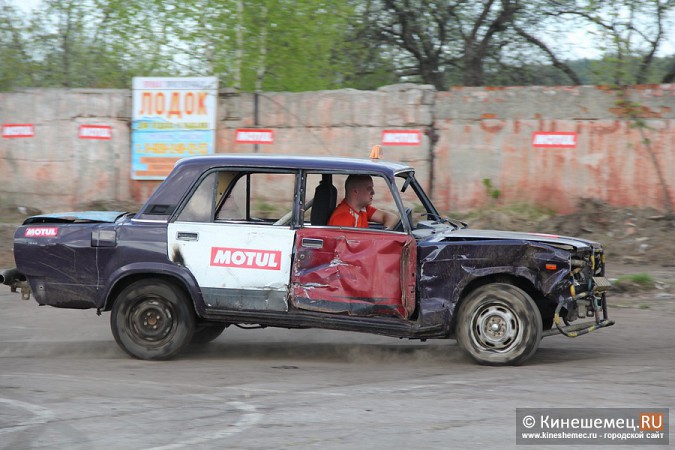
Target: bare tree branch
554,60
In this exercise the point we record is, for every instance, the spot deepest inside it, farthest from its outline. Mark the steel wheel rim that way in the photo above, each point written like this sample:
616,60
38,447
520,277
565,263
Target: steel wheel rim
495,327
151,321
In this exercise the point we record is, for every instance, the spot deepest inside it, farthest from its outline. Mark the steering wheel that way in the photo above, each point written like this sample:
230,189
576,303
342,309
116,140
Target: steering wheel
399,225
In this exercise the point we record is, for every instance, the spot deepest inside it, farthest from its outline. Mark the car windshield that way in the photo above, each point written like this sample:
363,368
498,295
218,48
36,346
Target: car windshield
414,198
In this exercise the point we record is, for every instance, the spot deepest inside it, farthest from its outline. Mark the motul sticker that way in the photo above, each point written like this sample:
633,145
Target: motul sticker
18,130
254,136
554,139
246,258
102,132
46,232
401,137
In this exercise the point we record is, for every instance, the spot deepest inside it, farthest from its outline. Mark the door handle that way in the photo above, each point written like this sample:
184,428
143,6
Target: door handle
187,236
312,243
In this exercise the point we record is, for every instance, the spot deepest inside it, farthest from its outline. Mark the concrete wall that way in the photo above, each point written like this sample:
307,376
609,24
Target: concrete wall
470,134
55,169
487,133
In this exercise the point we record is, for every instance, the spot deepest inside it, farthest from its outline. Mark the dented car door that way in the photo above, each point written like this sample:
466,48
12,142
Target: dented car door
354,272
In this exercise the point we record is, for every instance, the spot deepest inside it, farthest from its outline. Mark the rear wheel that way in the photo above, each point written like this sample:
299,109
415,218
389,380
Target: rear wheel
499,324
152,319
206,333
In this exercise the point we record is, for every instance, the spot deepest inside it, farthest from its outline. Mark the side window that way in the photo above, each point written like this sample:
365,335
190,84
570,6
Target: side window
233,206
242,197
200,206
382,200
258,197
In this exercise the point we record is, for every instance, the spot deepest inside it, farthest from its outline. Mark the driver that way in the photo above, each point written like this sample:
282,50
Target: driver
356,210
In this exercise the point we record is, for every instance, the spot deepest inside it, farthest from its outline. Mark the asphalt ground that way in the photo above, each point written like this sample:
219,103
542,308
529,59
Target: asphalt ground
64,384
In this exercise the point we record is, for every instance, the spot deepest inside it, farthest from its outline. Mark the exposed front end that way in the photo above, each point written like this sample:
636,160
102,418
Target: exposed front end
586,298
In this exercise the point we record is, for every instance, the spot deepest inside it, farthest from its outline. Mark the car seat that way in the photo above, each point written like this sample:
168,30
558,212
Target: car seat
325,199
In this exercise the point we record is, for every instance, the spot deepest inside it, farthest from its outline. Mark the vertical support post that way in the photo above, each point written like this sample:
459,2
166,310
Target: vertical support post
256,103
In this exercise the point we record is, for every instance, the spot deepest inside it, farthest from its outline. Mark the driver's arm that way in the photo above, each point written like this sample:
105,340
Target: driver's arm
386,218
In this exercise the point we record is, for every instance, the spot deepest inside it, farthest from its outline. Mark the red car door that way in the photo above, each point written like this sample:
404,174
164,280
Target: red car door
354,272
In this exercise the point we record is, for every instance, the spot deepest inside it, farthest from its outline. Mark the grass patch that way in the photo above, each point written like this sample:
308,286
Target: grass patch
642,279
635,281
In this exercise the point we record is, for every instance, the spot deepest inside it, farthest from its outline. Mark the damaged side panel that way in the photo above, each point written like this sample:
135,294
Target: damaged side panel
448,267
359,273
59,262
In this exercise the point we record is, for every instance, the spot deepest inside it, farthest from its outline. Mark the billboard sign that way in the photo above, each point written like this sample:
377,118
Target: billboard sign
172,118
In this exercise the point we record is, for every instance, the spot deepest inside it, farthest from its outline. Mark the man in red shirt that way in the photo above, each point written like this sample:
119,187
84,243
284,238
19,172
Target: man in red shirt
356,210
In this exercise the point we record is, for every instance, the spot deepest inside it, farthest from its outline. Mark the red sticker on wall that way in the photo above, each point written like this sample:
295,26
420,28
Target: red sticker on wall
101,132
554,139
18,130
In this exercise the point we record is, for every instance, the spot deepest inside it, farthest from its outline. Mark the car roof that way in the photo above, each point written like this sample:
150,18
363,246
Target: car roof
387,168
187,170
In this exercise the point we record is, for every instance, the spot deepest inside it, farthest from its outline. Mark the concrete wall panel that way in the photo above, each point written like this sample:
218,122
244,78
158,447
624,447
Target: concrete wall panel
469,135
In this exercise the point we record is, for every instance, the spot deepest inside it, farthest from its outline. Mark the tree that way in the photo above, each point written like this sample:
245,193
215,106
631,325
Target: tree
629,33
249,44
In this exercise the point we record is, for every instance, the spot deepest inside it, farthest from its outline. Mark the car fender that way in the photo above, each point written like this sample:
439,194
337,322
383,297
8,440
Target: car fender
133,271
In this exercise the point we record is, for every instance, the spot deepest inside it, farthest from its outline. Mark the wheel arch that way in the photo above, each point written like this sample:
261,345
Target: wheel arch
132,275
508,278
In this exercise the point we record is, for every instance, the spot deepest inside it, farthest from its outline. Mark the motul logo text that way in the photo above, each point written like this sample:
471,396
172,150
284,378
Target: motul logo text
246,258
551,139
103,132
13,130
41,232
401,137
254,136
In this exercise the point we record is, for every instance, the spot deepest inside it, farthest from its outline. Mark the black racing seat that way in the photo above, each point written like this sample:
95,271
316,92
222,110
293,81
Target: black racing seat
325,199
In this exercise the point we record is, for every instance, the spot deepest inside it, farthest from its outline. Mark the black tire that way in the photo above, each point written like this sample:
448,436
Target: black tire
152,319
499,324
207,333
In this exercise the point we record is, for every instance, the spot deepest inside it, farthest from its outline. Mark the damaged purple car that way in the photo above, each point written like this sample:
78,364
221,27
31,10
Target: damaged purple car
243,240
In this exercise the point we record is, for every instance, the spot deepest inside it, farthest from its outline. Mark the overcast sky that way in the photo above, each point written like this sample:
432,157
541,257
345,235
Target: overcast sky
579,39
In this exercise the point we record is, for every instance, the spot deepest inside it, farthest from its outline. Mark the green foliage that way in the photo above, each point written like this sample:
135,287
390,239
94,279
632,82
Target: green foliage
490,190
304,45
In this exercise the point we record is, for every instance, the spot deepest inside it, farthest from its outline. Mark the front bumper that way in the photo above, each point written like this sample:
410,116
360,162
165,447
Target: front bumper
587,304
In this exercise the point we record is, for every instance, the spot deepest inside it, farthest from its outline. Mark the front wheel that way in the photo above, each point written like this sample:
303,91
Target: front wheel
152,319
499,324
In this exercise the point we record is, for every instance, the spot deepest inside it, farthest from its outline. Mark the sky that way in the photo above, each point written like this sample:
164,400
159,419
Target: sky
579,39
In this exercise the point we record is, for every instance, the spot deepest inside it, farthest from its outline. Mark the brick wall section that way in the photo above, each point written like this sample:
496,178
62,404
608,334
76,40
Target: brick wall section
481,133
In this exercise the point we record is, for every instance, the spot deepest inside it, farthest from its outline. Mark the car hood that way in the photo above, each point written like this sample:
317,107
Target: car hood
467,233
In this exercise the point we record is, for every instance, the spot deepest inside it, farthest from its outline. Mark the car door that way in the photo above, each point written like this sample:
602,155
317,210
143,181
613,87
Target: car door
359,273
354,271
241,262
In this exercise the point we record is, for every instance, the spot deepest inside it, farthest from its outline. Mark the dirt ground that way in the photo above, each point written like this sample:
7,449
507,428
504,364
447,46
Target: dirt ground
637,241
